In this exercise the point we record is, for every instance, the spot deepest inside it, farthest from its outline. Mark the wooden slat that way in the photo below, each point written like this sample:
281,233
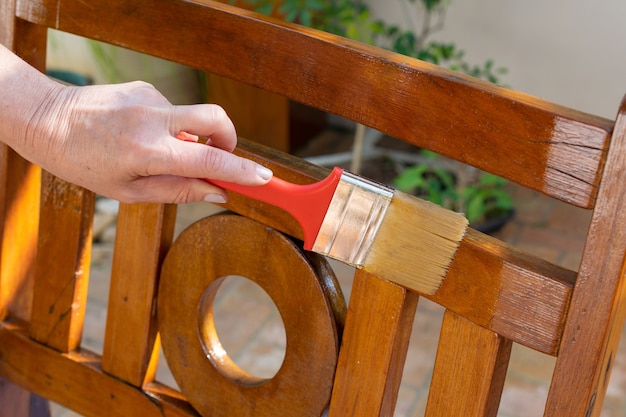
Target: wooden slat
62,264
598,305
144,234
257,114
76,381
557,150
489,281
18,243
470,370
374,348
19,185
507,291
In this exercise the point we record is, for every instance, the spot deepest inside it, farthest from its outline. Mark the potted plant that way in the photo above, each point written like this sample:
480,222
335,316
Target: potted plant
481,196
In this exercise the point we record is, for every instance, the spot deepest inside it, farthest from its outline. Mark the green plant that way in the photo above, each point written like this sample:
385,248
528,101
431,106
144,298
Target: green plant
480,200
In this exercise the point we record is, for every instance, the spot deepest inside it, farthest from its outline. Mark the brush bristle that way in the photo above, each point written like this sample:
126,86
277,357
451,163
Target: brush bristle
416,243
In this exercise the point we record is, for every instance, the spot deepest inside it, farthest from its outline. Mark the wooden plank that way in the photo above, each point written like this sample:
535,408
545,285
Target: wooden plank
144,234
257,114
75,380
62,264
508,291
557,150
598,307
469,372
509,283
18,243
374,347
19,186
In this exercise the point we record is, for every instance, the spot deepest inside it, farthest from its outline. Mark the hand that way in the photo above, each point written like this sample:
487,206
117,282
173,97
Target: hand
123,141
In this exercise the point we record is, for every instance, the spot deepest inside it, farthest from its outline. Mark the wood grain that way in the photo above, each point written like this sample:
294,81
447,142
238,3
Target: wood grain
598,307
76,380
536,143
144,234
62,264
374,348
200,258
489,281
19,184
470,370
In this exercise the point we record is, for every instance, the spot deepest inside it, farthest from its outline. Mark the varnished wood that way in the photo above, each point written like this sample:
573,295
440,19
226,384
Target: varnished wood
374,348
76,380
200,258
62,265
257,114
144,234
19,187
593,329
494,294
469,372
556,150
489,281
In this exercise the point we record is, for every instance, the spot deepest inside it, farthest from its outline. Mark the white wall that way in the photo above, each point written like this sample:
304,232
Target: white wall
572,52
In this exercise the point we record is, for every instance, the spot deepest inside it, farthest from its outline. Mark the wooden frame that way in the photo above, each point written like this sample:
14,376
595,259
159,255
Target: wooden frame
493,292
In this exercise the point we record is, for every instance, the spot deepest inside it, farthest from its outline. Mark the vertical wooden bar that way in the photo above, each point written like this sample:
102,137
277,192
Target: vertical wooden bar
470,370
144,234
598,305
19,184
19,214
62,267
259,115
373,349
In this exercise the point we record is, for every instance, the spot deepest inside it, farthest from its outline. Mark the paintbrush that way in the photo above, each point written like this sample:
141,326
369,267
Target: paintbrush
368,225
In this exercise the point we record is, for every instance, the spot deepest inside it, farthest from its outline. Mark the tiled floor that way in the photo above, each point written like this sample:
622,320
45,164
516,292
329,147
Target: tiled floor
249,326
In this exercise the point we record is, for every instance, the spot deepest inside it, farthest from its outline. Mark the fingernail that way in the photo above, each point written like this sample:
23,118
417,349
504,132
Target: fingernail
263,172
215,198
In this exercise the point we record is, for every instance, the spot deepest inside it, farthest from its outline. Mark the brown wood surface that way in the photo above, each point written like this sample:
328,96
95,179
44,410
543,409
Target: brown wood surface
374,348
489,281
62,264
200,258
469,372
144,234
538,144
257,114
495,294
598,305
19,185
76,380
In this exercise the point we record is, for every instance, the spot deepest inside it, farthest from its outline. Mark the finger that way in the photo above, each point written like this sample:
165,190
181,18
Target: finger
206,120
195,160
177,190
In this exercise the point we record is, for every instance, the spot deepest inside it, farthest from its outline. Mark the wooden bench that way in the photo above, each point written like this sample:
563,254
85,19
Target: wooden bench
494,294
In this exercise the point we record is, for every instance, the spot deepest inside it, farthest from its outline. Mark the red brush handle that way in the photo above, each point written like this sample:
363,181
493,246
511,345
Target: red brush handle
306,203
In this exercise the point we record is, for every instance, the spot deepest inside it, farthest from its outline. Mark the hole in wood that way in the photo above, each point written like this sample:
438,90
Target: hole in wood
241,330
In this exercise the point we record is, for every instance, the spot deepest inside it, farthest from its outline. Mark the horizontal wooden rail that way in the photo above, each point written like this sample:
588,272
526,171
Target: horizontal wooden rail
556,150
485,272
45,371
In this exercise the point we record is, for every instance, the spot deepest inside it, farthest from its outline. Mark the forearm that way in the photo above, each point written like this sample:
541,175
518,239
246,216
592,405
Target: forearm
119,140
23,90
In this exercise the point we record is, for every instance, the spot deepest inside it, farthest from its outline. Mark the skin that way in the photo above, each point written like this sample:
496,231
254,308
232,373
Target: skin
123,141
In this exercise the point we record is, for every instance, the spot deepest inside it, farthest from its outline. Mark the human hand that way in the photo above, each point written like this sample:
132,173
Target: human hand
123,141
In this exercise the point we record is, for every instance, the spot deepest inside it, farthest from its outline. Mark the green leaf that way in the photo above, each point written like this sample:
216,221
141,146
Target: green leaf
264,9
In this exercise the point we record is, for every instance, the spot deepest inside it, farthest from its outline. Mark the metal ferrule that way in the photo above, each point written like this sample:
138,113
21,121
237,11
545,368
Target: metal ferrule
353,219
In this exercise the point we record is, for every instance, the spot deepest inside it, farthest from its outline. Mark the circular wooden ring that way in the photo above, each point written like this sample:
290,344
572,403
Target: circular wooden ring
201,257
